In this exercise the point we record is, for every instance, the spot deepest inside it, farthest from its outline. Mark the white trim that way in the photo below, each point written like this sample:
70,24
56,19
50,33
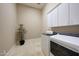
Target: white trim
53,8
10,51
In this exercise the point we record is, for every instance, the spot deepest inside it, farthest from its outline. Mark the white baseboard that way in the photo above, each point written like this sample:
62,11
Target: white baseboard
9,53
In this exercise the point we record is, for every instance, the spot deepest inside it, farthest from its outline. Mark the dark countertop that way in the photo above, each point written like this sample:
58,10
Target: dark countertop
63,33
47,34
54,33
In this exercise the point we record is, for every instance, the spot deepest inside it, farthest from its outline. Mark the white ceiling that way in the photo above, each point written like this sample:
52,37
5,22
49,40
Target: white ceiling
35,5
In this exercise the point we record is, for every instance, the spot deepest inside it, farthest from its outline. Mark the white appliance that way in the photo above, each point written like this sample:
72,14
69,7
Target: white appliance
62,45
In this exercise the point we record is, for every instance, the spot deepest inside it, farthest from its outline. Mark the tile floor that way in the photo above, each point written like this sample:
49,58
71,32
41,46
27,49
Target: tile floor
32,47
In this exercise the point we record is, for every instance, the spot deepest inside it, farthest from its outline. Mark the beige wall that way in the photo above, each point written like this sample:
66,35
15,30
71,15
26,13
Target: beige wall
7,25
46,9
31,19
70,29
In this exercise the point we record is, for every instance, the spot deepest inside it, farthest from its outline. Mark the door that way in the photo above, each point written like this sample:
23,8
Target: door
74,13
49,21
63,15
52,18
45,44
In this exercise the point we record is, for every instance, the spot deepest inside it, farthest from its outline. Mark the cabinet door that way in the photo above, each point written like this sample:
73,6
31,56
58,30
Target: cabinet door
74,13
63,15
49,20
45,44
54,18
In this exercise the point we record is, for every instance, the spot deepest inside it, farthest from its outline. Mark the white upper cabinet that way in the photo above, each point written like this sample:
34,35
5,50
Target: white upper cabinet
52,18
49,20
74,13
63,15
